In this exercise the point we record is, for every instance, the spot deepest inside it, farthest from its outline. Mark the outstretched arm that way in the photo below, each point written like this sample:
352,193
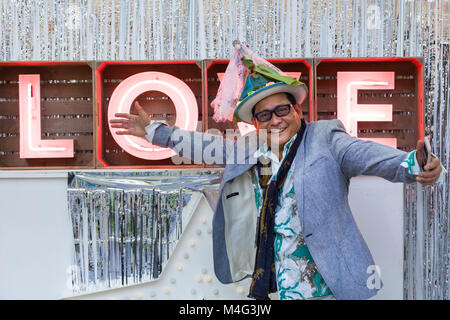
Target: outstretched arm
195,146
362,157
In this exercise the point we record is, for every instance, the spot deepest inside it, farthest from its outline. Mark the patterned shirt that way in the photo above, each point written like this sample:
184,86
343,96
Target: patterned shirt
296,271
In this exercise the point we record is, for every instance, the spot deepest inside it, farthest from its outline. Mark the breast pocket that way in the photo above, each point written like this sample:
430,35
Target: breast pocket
318,161
233,194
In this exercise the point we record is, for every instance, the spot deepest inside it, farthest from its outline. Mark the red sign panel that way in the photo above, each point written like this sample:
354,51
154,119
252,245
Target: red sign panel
55,111
382,96
56,115
168,91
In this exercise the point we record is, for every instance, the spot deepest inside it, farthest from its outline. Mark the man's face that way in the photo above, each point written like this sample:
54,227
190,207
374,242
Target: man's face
286,126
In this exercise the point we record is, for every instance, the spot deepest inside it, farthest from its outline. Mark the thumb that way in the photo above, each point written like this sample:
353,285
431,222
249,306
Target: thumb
140,110
420,145
420,153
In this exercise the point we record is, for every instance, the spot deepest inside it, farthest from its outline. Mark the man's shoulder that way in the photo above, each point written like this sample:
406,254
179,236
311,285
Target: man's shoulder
324,128
322,124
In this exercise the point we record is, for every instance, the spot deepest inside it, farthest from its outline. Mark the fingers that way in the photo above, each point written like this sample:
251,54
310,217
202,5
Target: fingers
139,109
431,173
120,126
123,132
433,166
429,177
118,121
427,182
432,163
122,123
123,115
142,114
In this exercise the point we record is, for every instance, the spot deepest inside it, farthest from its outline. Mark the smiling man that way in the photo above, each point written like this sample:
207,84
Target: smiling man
279,122
286,221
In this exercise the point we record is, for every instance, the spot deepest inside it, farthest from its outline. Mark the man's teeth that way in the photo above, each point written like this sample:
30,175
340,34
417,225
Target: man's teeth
277,130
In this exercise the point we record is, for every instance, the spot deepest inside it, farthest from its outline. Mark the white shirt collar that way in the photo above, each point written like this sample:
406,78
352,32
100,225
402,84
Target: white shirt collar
266,152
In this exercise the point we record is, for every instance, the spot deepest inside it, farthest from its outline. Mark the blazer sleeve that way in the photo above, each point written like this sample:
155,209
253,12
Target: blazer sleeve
362,157
195,146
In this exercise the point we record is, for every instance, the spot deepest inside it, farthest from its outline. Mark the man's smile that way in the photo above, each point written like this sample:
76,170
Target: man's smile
279,131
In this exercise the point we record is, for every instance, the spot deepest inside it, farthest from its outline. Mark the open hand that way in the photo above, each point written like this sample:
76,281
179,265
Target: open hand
433,166
130,123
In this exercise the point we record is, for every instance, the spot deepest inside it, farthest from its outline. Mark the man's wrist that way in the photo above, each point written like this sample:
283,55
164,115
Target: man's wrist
150,129
411,163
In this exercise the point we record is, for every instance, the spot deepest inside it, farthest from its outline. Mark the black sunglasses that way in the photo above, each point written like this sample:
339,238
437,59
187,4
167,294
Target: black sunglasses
281,111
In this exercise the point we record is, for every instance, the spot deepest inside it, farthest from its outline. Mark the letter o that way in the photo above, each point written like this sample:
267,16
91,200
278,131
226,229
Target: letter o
129,89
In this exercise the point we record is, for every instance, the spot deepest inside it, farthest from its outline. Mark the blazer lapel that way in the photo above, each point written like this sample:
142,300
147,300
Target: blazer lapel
235,170
299,170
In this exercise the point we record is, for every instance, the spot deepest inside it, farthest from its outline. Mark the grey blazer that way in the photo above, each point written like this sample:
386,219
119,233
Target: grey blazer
326,160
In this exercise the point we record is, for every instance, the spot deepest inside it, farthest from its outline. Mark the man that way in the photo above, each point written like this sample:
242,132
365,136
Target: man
291,230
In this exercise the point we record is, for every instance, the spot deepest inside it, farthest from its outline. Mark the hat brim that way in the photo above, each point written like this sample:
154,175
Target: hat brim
243,111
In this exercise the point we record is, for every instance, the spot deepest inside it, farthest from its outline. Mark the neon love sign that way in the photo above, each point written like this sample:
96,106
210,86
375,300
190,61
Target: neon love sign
31,146
82,112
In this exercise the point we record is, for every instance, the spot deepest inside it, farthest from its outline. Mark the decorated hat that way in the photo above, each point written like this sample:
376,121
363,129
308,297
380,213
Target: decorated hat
263,81
248,79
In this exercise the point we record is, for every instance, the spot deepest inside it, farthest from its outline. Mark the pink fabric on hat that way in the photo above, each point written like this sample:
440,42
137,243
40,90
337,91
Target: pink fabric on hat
233,82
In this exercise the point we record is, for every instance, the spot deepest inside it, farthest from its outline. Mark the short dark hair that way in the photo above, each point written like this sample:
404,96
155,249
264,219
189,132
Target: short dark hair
289,96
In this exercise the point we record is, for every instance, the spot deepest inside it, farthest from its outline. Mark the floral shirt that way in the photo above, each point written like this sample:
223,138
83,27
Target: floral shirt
296,271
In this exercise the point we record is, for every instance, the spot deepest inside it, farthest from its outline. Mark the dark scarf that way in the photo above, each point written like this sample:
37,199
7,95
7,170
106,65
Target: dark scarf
264,278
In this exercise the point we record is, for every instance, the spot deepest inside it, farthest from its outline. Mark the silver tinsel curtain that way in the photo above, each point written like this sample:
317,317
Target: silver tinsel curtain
197,29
